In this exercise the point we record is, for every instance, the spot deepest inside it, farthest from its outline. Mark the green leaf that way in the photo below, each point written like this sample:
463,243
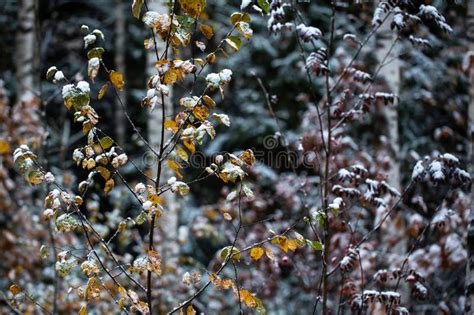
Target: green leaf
260,308
136,8
44,252
95,53
225,252
239,17
315,245
141,218
234,42
106,142
264,5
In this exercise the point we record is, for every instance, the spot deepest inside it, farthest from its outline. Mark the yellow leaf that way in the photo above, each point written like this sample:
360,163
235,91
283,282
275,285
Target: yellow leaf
199,61
239,17
227,284
269,254
83,310
86,127
109,185
215,280
4,147
201,112
292,245
183,155
171,76
245,30
248,157
256,253
173,165
189,144
121,303
248,298
171,125
35,177
117,79
78,200
92,289
14,289
211,58
122,291
155,199
90,163
224,53
208,101
207,30
102,91
141,307
282,242
192,7
105,173
190,310
136,8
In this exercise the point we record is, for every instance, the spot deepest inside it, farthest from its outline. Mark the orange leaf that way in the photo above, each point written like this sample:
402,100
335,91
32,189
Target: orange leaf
248,157
4,147
117,79
14,289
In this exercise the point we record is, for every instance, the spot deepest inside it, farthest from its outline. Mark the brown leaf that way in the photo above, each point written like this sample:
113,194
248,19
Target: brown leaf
207,30
154,262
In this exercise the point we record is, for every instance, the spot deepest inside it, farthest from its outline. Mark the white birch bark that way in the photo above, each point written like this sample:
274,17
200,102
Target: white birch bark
167,243
120,64
390,72
26,85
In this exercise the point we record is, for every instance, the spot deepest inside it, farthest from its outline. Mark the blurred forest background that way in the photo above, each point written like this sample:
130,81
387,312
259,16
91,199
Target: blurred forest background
431,118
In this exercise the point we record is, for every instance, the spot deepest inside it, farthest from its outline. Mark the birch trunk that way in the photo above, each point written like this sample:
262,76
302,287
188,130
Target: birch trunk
167,235
470,233
25,58
390,73
120,53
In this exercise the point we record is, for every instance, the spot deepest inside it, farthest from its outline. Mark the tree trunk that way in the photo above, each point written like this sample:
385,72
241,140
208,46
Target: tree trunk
470,132
25,49
391,75
120,54
167,235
